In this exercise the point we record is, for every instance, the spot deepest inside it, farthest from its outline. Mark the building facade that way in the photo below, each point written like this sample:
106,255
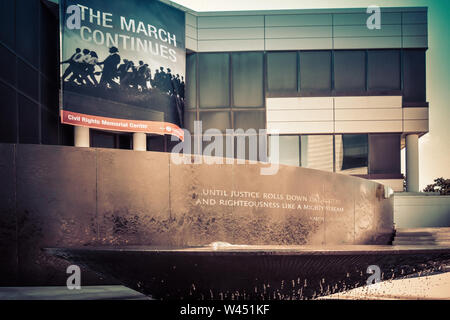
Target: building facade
343,98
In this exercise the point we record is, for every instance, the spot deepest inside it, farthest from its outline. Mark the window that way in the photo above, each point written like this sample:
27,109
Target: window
414,75
124,141
189,118
385,153
383,70
289,150
27,37
315,71
316,152
49,38
28,120
7,66
8,118
217,120
49,127
351,153
49,95
247,77
156,143
7,19
27,80
350,71
249,120
214,80
282,71
191,81
101,139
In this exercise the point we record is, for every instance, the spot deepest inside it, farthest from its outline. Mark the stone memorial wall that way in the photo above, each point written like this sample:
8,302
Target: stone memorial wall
56,196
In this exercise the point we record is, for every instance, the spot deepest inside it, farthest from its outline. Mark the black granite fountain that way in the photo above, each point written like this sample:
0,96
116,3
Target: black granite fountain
232,272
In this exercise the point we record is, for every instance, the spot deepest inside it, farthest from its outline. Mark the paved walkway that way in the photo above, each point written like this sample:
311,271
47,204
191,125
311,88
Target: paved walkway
428,287
62,293
435,286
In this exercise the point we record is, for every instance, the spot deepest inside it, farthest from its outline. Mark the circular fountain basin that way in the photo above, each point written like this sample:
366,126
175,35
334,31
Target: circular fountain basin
247,272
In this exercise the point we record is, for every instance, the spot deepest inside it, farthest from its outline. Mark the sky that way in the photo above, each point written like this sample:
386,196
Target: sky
434,147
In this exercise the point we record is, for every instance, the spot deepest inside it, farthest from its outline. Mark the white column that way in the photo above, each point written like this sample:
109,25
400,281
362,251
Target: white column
412,163
139,141
81,137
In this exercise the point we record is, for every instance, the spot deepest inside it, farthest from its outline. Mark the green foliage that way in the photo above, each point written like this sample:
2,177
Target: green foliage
440,185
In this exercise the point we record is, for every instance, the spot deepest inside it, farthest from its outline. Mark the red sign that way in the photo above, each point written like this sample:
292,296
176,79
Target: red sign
125,125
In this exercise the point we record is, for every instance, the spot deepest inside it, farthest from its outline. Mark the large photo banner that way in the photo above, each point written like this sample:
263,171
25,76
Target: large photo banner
123,65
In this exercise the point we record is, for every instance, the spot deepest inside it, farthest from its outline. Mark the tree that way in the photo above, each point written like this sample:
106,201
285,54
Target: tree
440,185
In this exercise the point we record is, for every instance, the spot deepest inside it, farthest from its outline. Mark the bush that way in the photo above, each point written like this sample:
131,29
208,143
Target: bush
440,185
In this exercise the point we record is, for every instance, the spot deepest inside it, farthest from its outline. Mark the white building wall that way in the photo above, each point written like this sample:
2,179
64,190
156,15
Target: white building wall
421,210
368,114
305,30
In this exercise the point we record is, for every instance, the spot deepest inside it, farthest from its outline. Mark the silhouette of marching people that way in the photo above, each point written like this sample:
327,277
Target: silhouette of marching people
82,71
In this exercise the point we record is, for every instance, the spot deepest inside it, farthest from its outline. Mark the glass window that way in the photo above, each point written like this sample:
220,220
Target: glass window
7,66
28,120
216,120
27,79
49,95
350,71
247,147
155,143
8,117
315,71
414,75
124,140
189,118
191,81
288,150
383,70
282,71
214,80
171,144
7,9
49,38
27,22
49,127
102,139
384,153
66,133
247,78
249,120
214,148
351,153
316,152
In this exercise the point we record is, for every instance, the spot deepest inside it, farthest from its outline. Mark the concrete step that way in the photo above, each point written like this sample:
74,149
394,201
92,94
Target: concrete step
433,230
422,236
427,243
407,238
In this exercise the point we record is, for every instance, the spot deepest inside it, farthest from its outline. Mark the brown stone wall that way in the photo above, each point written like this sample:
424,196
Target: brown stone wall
55,196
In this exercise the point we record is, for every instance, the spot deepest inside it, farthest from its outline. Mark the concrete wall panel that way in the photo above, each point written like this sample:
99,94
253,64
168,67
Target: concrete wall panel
76,197
410,209
132,196
230,33
230,45
368,126
301,127
298,20
56,206
310,103
8,219
230,21
299,44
